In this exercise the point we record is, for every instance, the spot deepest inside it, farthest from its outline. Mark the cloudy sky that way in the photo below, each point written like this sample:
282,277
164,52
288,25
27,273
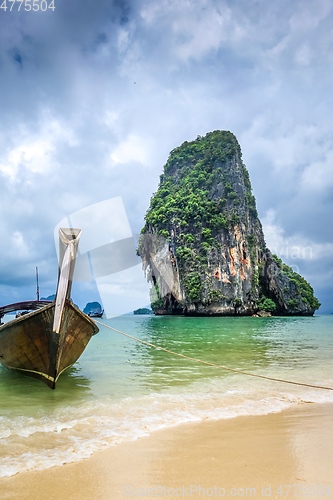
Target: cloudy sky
95,94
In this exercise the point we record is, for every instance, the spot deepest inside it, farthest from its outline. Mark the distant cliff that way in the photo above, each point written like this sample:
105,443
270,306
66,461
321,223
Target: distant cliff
203,246
93,307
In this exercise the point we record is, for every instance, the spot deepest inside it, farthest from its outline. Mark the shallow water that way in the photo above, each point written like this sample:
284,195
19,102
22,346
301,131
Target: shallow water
120,389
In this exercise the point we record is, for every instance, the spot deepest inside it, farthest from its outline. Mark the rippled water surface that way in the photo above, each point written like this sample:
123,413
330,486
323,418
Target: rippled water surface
121,389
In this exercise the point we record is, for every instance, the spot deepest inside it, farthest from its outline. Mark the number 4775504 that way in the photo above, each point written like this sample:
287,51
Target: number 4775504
28,5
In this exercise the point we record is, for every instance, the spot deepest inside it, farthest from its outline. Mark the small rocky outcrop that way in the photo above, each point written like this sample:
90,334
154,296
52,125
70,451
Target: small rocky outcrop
92,308
203,247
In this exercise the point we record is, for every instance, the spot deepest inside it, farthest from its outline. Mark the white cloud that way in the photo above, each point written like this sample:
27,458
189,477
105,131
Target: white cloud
124,39
292,247
35,156
318,176
308,15
286,143
196,27
124,292
303,55
19,245
134,148
35,151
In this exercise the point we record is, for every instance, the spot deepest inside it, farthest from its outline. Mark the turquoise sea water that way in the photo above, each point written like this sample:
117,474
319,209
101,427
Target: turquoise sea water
120,389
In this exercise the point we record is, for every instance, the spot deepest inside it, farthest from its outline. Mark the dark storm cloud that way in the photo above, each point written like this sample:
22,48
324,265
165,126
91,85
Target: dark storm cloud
75,129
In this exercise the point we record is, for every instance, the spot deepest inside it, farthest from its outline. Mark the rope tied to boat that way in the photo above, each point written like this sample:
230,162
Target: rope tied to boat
217,366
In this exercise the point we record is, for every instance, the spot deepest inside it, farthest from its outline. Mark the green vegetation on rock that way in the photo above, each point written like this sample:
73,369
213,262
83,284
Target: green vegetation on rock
191,172
302,287
205,213
184,204
143,310
156,301
267,305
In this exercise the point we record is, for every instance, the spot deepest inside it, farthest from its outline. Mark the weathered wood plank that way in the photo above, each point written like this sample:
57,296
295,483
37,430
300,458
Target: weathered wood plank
28,305
26,342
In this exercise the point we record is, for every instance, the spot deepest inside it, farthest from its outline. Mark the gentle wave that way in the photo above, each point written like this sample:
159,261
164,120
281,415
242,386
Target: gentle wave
74,433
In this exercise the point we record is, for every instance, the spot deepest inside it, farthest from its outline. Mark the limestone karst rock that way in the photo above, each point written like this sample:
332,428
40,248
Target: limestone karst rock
203,246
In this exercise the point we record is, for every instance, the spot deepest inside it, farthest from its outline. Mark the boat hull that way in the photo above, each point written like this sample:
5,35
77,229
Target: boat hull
29,345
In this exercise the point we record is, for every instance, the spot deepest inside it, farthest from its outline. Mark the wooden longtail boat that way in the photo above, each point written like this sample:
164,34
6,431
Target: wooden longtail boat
96,314
48,340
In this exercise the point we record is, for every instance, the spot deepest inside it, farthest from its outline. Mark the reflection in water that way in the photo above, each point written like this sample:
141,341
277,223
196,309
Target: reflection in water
26,395
256,345
233,342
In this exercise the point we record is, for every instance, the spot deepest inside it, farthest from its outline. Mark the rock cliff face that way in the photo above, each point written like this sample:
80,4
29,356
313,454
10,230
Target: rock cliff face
203,247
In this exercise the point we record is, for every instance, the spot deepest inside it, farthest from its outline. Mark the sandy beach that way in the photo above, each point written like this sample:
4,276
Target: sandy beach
256,456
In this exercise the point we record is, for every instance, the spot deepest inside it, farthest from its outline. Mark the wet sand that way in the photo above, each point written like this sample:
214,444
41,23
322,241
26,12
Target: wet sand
294,447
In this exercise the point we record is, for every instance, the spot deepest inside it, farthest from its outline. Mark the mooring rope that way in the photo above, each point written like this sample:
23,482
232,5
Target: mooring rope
217,366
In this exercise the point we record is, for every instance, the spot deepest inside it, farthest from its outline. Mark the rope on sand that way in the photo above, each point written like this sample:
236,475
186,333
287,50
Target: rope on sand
217,366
